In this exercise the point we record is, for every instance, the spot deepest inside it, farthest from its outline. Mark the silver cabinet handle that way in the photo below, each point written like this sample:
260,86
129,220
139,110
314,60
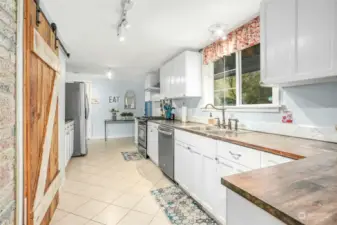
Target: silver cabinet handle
272,161
235,156
164,132
216,159
222,163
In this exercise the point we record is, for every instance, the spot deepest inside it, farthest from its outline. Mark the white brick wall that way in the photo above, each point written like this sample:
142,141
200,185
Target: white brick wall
7,110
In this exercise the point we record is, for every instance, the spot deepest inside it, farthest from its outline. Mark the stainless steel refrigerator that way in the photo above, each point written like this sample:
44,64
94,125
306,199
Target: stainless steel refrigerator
77,109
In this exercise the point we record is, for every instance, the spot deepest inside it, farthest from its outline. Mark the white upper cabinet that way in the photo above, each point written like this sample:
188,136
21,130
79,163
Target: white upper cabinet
298,41
182,76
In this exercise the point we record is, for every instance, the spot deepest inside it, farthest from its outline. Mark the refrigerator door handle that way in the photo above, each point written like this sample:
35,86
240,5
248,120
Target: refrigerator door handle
86,107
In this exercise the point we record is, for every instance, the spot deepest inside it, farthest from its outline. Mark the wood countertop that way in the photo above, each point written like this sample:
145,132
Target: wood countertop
300,192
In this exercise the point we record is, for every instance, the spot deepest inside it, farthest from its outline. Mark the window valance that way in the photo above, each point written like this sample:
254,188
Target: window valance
239,39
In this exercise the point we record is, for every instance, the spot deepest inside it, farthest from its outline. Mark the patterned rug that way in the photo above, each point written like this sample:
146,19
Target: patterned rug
179,208
132,156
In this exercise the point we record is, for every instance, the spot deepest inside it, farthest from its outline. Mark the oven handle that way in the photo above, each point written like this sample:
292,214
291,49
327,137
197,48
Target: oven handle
164,132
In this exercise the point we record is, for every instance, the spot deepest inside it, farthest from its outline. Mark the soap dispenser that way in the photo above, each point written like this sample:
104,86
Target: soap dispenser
211,120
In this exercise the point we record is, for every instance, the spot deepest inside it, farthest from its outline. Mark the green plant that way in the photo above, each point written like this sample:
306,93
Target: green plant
124,114
113,110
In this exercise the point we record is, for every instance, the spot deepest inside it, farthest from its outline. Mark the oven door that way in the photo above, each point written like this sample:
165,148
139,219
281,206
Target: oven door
142,135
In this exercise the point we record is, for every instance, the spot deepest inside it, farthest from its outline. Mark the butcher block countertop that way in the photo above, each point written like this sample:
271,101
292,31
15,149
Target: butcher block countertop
300,192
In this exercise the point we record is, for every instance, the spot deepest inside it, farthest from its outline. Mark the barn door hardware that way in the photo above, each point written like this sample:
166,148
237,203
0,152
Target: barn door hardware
54,28
38,11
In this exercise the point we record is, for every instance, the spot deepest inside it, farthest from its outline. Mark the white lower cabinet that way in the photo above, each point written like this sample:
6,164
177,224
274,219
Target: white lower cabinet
152,142
268,160
209,183
69,141
201,162
243,212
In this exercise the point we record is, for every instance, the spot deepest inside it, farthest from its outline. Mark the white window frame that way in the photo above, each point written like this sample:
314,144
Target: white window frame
239,107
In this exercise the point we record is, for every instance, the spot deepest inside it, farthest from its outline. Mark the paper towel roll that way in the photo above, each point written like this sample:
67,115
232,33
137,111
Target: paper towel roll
184,114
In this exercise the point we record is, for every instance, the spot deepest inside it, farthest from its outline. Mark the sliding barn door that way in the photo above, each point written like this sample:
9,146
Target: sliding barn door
42,66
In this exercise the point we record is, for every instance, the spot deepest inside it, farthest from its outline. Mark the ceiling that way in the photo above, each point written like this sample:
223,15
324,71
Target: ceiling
160,29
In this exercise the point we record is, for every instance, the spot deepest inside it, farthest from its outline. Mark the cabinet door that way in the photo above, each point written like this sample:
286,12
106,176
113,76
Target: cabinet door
192,74
162,82
187,181
168,76
71,142
223,168
197,175
209,182
278,28
66,146
315,38
178,162
268,160
155,145
179,67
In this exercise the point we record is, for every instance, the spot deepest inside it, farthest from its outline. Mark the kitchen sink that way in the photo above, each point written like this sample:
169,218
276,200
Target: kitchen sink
203,128
223,132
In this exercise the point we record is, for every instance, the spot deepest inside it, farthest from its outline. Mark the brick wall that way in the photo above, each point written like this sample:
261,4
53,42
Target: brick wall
7,110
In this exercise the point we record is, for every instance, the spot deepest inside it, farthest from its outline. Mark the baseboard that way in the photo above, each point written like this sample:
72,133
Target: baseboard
109,137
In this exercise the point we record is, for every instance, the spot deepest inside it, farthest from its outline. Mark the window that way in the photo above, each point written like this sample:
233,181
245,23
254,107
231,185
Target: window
237,80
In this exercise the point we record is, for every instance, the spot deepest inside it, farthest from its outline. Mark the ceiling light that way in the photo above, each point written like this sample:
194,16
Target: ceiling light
123,24
121,38
218,31
128,4
120,34
109,74
126,24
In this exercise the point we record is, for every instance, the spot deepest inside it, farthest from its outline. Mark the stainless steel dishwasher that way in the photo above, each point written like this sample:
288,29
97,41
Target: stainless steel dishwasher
166,150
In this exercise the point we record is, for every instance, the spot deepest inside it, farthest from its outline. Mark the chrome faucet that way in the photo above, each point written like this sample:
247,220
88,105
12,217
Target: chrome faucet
230,124
223,114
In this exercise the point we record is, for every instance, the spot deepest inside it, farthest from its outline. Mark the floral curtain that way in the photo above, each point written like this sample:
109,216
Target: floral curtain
239,39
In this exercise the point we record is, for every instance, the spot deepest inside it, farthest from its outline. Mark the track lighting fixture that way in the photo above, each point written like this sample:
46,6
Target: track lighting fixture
123,24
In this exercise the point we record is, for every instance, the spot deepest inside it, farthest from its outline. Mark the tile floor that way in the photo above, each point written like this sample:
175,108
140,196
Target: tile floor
102,188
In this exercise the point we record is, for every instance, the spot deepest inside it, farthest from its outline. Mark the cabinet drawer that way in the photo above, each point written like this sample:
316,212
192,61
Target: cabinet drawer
268,159
203,145
245,156
153,125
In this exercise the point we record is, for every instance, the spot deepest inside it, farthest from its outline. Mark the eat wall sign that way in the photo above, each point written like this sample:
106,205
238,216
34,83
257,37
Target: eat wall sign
114,99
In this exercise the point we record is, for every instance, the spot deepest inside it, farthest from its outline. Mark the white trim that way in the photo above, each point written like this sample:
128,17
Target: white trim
43,207
20,201
47,145
112,137
249,108
239,107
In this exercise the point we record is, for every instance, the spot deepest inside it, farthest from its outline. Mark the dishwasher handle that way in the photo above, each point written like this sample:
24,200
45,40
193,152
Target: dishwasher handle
165,132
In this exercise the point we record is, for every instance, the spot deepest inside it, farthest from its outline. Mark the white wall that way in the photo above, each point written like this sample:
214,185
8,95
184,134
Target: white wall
61,114
314,109
102,88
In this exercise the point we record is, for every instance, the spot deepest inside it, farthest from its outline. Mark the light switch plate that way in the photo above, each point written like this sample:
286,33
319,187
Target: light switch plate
336,127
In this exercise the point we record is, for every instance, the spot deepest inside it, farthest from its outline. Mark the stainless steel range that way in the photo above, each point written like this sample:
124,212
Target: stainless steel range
142,134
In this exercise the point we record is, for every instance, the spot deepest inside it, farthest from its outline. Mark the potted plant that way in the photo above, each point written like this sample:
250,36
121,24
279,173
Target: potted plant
130,115
127,115
124,115
114,113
